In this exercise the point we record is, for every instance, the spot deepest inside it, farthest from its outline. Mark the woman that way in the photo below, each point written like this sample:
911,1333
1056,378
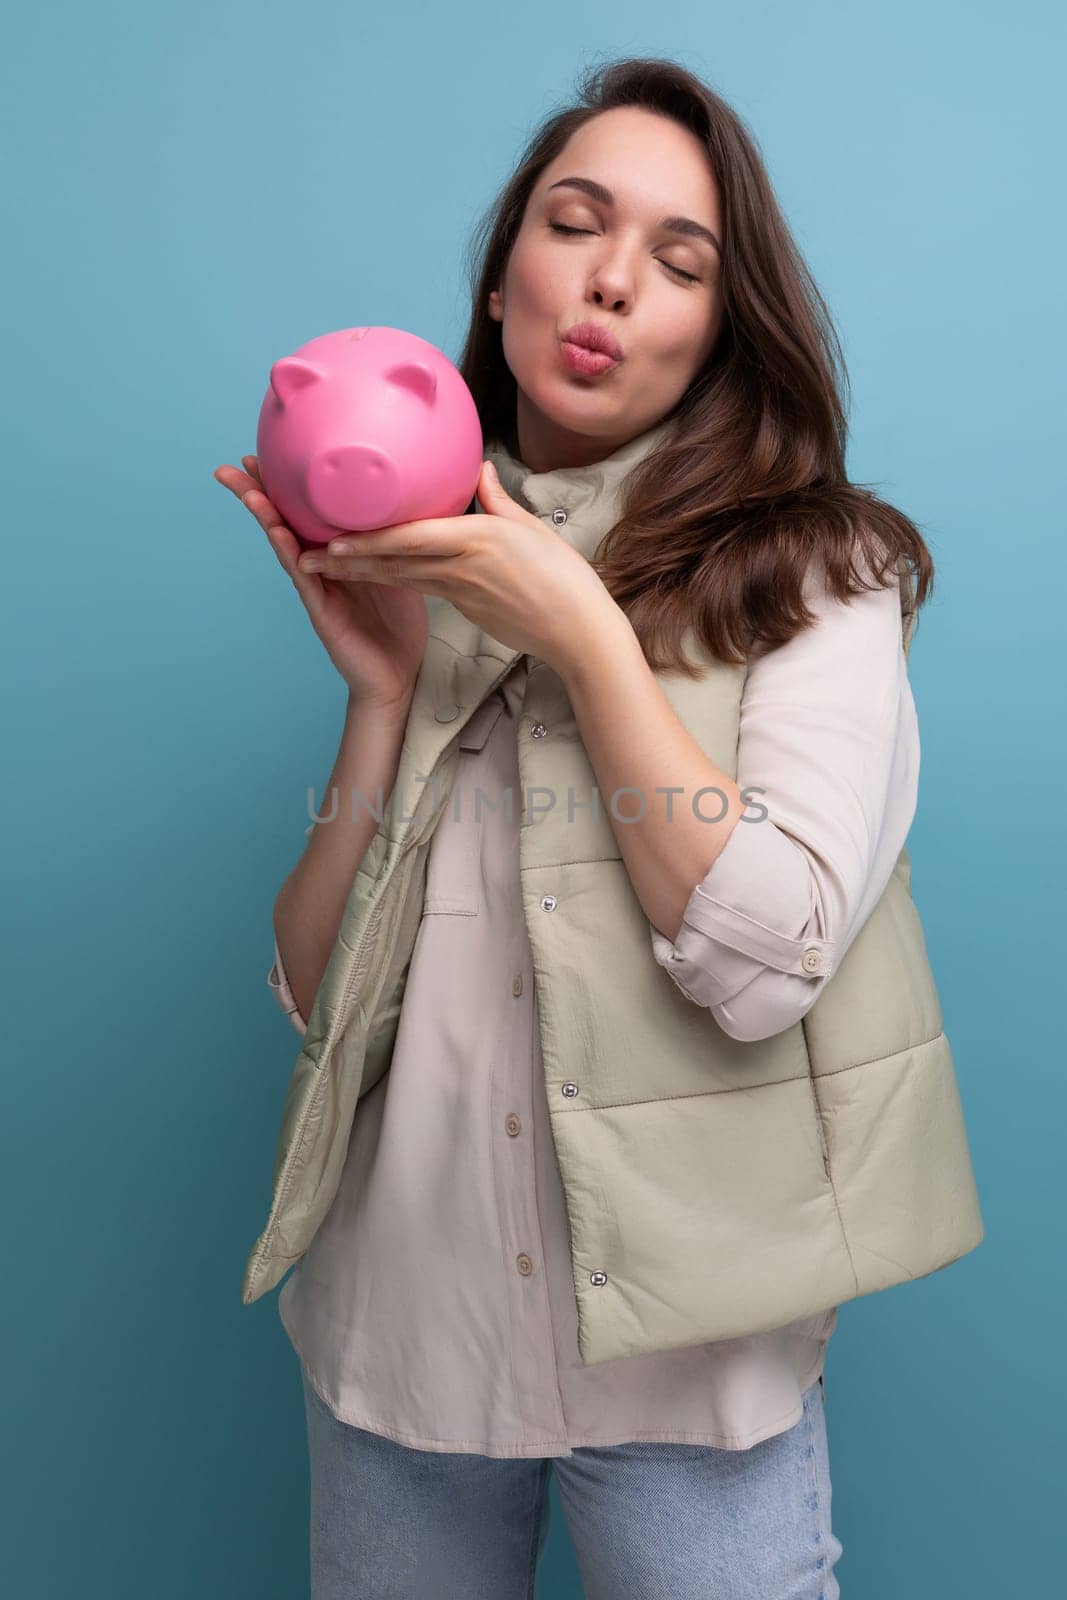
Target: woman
454,1346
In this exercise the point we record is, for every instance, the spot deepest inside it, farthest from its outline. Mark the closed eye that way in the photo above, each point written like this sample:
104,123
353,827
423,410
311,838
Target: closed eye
689,277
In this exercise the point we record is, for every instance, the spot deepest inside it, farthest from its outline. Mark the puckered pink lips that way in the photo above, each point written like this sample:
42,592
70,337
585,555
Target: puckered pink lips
590,349
592,336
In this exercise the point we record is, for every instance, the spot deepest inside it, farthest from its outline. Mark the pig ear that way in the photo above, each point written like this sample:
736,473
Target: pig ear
416,376
289,375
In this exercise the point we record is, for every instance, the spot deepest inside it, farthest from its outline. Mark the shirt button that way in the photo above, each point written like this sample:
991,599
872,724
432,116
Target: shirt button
512,1124
559,516
516,983
538,730
811,960
446,713
548,902
524,1264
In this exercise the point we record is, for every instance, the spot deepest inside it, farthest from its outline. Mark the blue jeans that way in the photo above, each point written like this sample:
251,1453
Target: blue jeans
647,1521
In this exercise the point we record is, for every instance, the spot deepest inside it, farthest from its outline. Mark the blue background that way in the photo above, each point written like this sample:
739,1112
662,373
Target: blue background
193,190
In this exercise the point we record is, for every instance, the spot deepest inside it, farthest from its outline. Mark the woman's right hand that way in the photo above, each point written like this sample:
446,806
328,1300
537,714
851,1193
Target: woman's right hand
374,633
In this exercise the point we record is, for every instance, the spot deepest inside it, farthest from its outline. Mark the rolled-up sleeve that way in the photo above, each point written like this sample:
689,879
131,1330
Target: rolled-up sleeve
284,995
828,763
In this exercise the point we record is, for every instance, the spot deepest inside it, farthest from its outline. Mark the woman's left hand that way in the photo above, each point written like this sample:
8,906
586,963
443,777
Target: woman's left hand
505,569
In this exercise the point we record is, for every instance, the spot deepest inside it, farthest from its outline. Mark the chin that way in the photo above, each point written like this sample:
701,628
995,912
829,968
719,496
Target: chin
576,404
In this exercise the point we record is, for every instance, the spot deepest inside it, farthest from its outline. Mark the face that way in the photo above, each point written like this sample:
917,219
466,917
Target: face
657,290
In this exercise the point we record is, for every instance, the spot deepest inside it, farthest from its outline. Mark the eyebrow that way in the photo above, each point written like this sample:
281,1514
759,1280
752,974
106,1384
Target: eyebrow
596,191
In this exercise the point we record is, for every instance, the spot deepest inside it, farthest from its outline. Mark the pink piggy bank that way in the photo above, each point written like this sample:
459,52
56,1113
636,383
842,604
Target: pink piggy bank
365,428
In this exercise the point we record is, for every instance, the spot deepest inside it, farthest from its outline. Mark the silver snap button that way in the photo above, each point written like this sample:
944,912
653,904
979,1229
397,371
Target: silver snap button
598,1278
811,960
446,713
538,730
548,902
559,516
570,1090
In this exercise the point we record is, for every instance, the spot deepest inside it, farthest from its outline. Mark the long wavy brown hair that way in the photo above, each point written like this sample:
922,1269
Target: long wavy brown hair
722,521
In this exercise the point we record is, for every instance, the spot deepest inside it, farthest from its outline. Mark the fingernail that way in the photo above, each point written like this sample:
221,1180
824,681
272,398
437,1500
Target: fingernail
340,548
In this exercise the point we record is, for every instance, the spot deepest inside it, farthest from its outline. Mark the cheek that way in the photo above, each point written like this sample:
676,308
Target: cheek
539,280
684,333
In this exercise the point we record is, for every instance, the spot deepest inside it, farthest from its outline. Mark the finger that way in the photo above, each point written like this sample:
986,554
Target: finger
235,480
283,540
252,498
265,511
308,585
380,569
251,466
430,536
287,549
250,495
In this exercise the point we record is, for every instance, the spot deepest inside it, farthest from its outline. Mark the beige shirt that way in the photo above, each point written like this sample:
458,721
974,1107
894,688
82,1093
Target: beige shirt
435,1303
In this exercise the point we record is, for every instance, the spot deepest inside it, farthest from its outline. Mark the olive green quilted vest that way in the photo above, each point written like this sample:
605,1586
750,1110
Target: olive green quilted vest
714,1187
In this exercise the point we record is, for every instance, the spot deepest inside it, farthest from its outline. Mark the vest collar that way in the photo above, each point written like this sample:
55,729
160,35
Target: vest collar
455,680
590,495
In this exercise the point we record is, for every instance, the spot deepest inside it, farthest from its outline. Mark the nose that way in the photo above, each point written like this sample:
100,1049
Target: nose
355,486
611,285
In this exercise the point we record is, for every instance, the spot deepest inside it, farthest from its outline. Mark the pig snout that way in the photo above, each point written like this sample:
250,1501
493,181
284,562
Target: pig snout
355,486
